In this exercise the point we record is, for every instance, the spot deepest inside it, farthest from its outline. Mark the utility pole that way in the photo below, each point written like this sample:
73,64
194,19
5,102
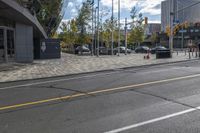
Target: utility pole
182,36
95,35
98,29
112,19
92,47
171,38
125,36
119,27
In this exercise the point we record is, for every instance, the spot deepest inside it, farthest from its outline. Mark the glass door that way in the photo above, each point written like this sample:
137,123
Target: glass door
10,44
1,45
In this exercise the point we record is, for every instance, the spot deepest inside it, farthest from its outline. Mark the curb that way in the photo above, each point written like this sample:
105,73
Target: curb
100,71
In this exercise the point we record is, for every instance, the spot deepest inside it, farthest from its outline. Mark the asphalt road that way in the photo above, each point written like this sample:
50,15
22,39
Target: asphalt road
157,99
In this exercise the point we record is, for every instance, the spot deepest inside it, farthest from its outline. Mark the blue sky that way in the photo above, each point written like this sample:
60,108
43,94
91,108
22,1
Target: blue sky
149,8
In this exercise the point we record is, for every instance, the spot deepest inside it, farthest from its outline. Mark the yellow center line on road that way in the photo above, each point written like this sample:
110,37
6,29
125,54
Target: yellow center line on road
123,88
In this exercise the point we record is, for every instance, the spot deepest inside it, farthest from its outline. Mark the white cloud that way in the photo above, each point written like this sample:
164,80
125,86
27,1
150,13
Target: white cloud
146,6
149,7
125,4
70,4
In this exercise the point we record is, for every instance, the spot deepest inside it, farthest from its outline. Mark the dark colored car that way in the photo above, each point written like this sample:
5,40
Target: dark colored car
142,49
123,50
82,49
153,50
106,51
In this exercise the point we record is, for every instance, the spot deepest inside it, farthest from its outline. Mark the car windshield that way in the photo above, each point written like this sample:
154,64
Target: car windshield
145,47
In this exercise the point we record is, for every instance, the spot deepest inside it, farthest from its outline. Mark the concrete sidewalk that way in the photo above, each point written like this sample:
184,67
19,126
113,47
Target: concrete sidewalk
73,64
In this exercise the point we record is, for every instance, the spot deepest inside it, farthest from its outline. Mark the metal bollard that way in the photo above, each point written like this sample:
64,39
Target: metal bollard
196,52
192,51
189,54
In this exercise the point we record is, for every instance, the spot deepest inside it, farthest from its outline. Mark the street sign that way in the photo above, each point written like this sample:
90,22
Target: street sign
182,31
176,22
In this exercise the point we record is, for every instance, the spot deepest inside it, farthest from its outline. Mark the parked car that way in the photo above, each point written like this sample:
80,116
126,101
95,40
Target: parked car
142,49
106,51
82,49
153,50
123,50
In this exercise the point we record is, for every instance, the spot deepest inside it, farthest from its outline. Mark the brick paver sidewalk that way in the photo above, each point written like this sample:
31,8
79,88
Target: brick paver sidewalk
73,64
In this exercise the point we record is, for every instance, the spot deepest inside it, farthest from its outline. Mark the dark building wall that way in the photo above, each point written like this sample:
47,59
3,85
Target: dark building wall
24,43
47,49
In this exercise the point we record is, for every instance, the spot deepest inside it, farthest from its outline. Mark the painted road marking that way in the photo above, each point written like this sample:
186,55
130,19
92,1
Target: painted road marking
95,92
126,128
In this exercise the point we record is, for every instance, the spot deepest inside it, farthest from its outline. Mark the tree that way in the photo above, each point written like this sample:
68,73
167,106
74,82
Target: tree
50,15
82,21
137,28
69,32
107,31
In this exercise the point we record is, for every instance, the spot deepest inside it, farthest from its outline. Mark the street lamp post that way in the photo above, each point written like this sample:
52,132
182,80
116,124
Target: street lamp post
125,36
119,27
98,29
92,47
171,34
95,35
171,38
112,19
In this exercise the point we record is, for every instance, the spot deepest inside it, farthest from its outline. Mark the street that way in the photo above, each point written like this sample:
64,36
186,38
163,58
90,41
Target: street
153,99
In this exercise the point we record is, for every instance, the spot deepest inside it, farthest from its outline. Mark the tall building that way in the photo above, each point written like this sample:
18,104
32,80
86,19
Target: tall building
152,28
190,15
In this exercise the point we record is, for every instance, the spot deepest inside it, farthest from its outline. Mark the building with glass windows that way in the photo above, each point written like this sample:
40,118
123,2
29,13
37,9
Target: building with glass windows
20,30
190,15
152,28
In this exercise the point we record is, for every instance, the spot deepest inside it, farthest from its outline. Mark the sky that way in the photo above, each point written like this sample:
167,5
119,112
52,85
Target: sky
149,8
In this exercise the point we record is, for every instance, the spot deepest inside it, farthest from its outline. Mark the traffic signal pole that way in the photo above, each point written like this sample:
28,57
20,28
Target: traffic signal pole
98,29
171,38
119,27
112,19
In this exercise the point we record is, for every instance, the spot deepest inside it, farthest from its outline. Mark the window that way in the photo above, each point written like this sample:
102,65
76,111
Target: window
1,39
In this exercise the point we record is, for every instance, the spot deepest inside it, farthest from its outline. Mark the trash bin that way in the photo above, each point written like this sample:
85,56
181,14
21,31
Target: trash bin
162,54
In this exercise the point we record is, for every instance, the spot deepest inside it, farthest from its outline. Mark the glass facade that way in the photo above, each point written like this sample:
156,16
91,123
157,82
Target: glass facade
1,45
190,15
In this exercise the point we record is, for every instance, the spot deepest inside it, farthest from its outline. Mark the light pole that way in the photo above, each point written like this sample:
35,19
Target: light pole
125,36
92,47
119,27
171,25
95,35
98,29
112,19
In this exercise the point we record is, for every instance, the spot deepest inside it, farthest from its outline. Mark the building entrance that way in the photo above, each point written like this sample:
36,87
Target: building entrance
7,44
1,45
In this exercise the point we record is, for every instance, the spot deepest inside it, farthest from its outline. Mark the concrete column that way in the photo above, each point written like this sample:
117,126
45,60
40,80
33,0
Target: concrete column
5,45
24,43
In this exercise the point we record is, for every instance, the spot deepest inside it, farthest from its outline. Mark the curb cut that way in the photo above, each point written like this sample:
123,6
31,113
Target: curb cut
100,71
